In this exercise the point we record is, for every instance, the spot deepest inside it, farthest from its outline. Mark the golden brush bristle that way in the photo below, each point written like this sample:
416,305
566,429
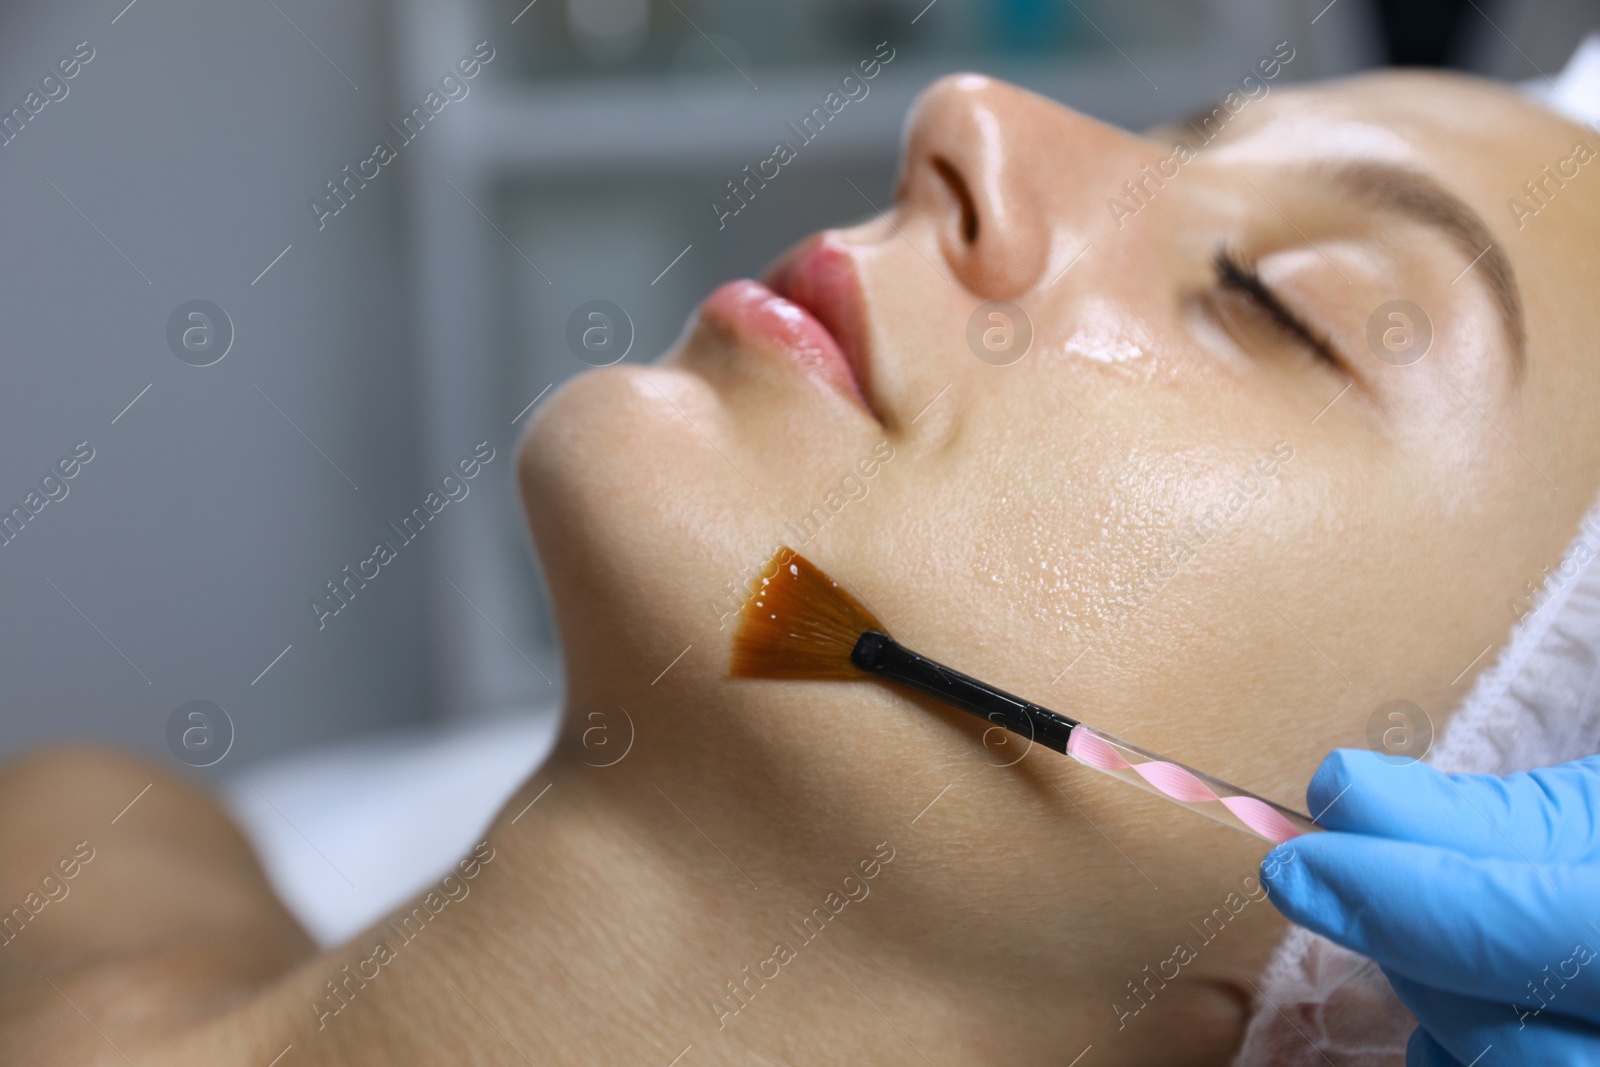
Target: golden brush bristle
798,624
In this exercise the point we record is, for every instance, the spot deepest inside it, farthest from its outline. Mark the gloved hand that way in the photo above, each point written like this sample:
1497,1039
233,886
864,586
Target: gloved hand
1479,897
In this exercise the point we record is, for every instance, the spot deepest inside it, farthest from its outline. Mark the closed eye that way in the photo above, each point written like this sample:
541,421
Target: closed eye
1237,275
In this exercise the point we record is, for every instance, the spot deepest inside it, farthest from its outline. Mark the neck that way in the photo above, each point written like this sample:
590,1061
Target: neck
630,912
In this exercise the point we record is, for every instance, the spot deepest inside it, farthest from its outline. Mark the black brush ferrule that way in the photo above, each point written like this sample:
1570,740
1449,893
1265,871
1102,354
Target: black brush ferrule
878,653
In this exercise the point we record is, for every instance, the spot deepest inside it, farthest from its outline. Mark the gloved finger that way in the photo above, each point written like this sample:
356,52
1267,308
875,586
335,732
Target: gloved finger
1495,929
1486,1033
1423,1051
1538,814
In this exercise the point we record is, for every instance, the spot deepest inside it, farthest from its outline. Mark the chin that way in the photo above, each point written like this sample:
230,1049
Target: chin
630,519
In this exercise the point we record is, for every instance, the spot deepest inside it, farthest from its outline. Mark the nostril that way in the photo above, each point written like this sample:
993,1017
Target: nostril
958,188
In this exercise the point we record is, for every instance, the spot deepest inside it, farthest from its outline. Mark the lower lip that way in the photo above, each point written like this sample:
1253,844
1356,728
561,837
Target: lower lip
751,310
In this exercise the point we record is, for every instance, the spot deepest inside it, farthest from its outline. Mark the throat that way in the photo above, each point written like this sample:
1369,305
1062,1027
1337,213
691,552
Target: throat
638,918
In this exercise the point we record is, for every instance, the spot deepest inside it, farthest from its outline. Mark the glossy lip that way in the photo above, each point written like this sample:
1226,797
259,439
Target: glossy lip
810,309
751,311
820,276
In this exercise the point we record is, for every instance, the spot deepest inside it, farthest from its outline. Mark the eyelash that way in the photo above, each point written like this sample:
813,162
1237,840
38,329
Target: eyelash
1237,274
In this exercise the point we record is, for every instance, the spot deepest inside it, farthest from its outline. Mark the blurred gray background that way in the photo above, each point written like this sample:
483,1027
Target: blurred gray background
371,354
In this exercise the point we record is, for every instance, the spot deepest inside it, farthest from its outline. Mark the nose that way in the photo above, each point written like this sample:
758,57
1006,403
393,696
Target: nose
1003,174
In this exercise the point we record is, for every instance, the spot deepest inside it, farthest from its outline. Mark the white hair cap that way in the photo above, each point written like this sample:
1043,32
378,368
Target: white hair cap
1538,705
1575,92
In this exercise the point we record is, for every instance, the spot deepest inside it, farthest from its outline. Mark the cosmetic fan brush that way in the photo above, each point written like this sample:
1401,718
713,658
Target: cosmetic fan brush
800,624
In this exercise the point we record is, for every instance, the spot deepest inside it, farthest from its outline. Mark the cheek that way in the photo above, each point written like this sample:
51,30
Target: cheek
1068,541
1066,528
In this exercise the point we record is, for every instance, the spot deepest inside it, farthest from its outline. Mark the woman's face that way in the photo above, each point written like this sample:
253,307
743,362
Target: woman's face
1218,507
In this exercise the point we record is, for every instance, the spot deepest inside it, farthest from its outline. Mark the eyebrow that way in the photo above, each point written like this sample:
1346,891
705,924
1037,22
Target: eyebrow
1418,197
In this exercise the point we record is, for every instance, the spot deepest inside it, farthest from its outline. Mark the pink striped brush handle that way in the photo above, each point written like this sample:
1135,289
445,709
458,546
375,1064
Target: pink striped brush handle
1193,789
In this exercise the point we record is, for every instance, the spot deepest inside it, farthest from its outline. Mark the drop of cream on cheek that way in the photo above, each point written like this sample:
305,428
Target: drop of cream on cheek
1102,346
1107,334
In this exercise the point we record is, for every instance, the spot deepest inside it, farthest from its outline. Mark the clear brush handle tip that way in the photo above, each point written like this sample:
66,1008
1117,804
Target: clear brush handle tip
1185,786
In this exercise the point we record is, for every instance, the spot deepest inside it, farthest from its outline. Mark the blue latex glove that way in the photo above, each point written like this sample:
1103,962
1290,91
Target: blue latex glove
1478,896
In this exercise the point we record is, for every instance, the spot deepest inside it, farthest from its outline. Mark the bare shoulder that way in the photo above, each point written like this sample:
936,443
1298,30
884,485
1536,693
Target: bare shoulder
130,907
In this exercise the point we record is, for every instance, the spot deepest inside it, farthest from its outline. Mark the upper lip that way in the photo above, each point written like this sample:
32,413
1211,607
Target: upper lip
820,275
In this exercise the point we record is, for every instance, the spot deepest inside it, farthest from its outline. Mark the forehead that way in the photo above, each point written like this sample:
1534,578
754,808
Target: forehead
1456,127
